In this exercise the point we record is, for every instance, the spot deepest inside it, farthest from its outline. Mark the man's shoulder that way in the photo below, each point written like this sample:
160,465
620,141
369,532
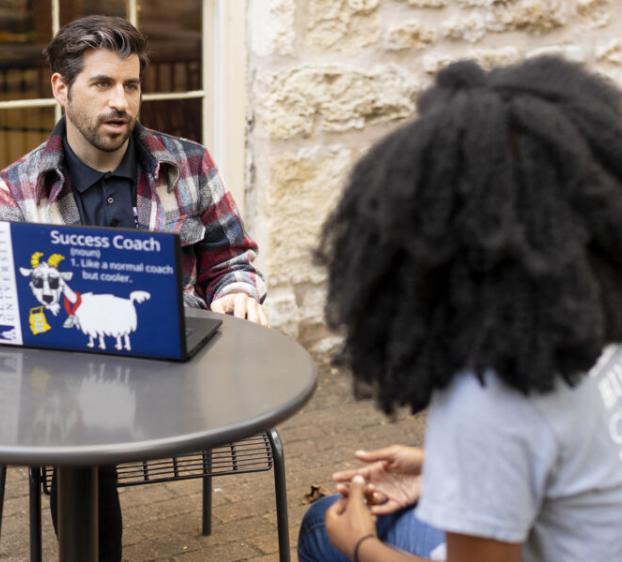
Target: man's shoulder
164,145
25,169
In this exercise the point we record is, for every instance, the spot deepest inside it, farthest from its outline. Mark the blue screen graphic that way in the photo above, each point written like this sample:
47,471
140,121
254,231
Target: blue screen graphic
97,289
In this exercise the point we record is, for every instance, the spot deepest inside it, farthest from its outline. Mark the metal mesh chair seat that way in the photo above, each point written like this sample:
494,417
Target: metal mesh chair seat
253,454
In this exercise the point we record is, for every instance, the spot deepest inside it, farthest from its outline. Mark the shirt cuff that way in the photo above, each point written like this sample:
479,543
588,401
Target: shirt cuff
240,287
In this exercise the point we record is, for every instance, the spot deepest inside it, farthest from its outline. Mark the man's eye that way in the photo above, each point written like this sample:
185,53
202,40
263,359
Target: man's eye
131,87
101,84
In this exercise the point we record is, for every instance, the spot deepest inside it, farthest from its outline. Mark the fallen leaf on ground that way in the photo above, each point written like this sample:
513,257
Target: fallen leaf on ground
314,494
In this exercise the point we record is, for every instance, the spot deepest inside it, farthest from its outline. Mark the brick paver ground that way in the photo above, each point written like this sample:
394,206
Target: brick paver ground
162,522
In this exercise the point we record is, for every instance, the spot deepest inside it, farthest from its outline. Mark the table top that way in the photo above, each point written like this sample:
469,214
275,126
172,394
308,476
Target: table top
66,408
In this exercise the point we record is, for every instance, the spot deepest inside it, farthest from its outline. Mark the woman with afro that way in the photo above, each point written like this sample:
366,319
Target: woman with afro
475,269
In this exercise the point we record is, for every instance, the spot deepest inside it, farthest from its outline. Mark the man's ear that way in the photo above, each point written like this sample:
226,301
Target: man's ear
60,90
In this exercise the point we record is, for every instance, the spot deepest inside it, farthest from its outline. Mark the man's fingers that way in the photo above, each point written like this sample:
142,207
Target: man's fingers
239,305
252,312
218,306
263,320
255,312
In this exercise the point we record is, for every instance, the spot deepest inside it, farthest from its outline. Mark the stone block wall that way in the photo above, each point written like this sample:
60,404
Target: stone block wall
327,78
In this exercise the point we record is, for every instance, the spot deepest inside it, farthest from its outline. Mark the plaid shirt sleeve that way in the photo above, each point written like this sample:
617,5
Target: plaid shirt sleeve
9,210
225,255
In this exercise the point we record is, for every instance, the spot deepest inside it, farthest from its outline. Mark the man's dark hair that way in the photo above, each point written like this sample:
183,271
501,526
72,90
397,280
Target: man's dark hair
487,234
64,53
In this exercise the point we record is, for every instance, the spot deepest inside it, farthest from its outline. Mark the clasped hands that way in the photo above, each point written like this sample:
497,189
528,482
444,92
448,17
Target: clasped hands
391,481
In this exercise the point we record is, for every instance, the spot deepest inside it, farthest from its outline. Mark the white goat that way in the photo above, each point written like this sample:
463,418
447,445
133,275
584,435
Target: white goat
46,281
95,315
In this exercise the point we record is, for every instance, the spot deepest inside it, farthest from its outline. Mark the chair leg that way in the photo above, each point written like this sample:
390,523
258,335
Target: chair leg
2,484
207,495
34,480
280,490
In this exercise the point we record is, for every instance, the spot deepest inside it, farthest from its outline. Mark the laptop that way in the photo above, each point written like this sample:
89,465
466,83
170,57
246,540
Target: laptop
94,289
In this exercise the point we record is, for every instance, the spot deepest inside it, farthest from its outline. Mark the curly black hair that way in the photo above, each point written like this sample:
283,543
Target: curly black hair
486,234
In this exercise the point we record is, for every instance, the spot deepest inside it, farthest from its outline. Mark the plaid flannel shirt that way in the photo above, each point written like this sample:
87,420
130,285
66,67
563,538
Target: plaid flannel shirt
178,189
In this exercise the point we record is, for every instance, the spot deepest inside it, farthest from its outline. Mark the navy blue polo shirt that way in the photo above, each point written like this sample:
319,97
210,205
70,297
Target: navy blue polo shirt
104,198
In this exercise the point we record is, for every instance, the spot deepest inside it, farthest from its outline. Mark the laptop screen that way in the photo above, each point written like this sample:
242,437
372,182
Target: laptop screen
91,289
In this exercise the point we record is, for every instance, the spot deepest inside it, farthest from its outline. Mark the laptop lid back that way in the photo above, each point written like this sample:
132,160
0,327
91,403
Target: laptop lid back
91,289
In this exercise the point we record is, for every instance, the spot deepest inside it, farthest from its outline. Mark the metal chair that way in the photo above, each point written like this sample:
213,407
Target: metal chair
254,454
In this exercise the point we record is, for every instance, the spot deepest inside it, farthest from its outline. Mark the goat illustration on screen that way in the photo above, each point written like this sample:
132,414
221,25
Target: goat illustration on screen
96,315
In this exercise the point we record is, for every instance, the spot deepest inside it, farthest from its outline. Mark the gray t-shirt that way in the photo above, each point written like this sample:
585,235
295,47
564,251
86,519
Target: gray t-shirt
544,470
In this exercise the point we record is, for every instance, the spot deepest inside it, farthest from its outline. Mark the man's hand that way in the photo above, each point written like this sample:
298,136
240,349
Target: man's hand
393,478
240,305
349,519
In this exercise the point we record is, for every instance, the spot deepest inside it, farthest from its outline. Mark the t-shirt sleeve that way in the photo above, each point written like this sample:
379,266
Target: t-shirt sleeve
489,454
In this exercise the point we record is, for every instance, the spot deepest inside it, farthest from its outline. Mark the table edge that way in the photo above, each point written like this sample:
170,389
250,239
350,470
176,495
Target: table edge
149,450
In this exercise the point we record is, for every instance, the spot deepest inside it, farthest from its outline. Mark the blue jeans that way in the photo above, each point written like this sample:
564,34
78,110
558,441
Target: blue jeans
401,530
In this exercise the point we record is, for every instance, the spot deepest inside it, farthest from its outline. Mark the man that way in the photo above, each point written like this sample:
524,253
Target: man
101,167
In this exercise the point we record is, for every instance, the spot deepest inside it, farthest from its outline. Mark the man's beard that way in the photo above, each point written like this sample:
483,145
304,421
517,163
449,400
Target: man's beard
103,141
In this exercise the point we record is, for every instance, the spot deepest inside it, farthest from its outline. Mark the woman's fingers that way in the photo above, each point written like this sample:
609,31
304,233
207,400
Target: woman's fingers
345,475
372,496
386,453
385,508
336,509
356,495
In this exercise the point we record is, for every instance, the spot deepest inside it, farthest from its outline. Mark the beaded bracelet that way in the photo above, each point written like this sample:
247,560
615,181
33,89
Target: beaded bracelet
358,544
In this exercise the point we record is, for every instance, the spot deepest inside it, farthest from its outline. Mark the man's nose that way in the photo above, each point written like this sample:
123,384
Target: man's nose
118,100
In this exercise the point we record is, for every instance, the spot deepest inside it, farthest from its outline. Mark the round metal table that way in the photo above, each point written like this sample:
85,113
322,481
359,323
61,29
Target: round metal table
78,411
